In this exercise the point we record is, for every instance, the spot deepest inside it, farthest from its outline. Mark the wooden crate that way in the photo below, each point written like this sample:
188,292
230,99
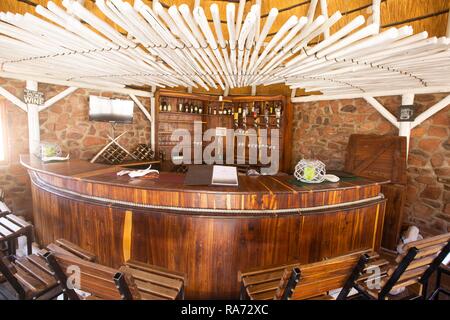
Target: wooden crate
375,156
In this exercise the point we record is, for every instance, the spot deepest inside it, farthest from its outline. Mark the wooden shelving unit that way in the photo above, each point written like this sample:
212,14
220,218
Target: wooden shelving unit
169,121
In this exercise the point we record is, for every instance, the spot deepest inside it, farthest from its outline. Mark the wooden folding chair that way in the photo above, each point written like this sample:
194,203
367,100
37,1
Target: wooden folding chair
30,278
133,281
438,289
411,270
309,281
11,228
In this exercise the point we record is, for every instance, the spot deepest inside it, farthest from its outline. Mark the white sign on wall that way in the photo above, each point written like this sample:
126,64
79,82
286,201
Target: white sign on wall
33,97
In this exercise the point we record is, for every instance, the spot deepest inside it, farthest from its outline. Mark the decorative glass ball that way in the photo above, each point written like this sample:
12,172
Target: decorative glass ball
310,171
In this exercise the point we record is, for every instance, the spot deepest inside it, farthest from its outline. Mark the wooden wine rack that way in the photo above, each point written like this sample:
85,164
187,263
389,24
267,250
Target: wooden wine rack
169,121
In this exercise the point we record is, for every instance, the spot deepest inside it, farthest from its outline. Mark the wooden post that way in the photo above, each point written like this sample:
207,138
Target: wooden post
448,25
153,123
34,135
405,127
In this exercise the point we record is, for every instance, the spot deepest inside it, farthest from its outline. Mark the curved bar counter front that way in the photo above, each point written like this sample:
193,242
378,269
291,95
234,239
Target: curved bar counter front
208,233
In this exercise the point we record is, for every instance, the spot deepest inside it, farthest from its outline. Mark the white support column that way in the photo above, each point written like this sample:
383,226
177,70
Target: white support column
34,135
448,25
253,91
404,129
153,123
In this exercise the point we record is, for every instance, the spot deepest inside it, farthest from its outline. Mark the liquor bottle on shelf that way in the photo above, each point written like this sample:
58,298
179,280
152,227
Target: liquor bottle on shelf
169,107
186,106
278,114
236,120
180,106
215,111
164,106
239,109
191,107
266,117
271,110
255,117
244,118
195,109
200,109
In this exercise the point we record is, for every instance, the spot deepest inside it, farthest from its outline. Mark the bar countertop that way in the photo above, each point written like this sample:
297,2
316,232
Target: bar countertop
273,194
207,233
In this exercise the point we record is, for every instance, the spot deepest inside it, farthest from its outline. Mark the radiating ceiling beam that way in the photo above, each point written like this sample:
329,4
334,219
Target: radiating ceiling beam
380,93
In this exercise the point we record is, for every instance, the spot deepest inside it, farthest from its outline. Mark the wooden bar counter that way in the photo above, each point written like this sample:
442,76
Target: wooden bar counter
209,233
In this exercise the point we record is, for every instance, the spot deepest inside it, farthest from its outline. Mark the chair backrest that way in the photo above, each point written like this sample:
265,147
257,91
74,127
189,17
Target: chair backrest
418,262
4,208
100,281
318,278
8,271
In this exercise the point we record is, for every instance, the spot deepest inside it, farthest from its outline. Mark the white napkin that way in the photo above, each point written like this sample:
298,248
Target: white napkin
137,173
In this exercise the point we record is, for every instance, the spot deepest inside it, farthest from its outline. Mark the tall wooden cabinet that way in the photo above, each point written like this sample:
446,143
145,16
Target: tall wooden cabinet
375,156
178,110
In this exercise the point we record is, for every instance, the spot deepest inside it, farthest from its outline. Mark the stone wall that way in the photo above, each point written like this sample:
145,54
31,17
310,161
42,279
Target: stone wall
322,130
65,123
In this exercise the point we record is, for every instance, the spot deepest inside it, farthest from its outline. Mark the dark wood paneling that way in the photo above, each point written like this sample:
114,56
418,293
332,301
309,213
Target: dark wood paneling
210,250
374,157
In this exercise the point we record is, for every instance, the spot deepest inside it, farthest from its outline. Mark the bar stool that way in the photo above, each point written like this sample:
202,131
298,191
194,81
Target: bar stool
11,228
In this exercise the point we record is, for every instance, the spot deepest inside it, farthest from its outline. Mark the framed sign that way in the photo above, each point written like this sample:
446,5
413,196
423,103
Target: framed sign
407,113
33,97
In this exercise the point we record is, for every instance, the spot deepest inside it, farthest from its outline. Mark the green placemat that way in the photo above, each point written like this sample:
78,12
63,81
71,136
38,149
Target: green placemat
298,183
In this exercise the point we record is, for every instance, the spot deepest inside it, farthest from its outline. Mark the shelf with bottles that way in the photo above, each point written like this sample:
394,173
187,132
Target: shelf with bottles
181,106
184,121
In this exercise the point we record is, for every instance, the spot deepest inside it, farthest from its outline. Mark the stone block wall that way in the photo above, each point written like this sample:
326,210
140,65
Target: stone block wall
322,130
66,123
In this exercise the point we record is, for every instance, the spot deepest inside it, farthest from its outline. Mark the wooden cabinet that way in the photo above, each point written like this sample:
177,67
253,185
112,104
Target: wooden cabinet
382,157
211,112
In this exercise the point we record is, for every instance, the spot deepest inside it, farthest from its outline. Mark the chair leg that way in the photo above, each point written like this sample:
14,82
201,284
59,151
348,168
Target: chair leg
12,247
29,236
